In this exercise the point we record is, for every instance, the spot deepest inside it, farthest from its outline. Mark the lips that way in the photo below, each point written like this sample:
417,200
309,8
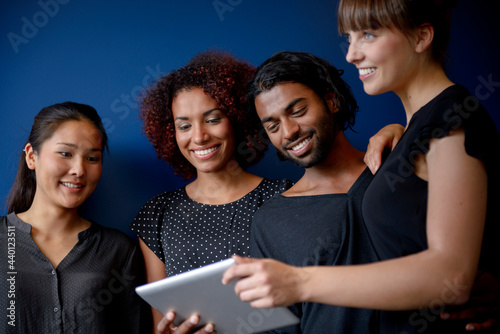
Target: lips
205,153
366,72
72,185
301,144
298,146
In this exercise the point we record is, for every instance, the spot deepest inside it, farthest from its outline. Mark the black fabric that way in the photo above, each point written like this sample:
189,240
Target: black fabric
395,203
186,234
92,290
318,230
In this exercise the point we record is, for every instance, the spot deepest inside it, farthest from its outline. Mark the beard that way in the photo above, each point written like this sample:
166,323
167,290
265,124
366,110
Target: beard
325,138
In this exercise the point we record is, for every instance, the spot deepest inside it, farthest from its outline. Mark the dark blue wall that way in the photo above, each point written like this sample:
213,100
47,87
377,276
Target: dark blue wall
103,53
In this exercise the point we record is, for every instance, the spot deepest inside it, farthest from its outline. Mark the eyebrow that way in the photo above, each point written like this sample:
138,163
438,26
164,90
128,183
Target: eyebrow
205,113
76,146
287,108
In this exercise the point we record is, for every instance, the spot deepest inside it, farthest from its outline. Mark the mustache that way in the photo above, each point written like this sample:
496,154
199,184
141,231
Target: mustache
307,133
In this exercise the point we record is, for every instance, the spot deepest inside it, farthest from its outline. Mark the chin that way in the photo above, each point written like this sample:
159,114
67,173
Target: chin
211,169
371,92
73,204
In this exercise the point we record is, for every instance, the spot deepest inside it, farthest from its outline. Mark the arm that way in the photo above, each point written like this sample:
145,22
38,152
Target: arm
442,273
155,271
387,137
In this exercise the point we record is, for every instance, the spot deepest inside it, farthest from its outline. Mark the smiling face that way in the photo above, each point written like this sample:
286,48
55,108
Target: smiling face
298,123
203,132
68,165
384,57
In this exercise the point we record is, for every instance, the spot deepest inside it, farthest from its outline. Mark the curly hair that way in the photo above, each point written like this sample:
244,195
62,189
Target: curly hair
224,78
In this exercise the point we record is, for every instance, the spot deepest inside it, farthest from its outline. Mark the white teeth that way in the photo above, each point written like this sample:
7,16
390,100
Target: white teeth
365,71
71,185
301,144
205,152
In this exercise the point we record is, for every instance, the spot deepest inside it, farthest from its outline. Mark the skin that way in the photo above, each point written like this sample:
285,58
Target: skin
387,70
71,157
455,220
201,127
292,131
205,137
291,114
401,64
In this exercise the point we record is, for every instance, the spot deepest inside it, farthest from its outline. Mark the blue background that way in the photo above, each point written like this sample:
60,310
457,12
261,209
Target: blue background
103,53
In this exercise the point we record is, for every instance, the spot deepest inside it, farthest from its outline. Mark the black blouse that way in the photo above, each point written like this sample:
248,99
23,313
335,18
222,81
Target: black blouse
395,203
92,290
186,234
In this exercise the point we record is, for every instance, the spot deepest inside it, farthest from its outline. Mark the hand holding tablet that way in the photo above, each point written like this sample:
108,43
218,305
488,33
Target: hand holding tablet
200,291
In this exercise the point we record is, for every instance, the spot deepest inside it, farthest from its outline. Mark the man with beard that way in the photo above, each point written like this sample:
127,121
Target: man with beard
305,106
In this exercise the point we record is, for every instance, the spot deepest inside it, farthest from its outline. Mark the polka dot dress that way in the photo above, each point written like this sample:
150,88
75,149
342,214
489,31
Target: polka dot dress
186,234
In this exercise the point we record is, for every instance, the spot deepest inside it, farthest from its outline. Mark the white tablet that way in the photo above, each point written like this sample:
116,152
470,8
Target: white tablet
200,291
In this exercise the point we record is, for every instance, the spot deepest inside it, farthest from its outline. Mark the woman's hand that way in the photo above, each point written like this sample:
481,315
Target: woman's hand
388,137
482,312
266,282
166,325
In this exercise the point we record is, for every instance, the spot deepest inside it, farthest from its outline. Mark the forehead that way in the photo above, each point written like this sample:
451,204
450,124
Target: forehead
81,133
192,100
278,98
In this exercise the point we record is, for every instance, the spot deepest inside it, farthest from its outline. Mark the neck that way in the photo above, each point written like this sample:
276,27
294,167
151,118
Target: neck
223,186
54,230
336,174
428,82
51,221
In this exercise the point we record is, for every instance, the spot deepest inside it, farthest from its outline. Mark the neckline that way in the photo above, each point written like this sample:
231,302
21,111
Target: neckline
26,228
360,179
185,195
414,116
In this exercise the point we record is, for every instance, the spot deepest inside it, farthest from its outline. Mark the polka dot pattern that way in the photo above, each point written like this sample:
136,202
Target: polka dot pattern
186,234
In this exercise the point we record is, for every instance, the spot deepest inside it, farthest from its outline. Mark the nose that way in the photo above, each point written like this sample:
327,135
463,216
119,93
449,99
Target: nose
290,129
353,53
200,134
78,167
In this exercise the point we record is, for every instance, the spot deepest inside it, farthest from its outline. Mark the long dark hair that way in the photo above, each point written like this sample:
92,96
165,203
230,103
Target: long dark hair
45,124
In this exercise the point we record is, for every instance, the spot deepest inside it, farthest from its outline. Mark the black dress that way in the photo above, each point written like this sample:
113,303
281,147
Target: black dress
395,203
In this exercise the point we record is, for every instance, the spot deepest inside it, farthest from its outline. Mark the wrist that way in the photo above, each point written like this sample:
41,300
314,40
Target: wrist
304,286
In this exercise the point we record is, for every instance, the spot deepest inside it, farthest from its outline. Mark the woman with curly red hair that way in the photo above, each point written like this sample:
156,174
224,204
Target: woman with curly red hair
196,119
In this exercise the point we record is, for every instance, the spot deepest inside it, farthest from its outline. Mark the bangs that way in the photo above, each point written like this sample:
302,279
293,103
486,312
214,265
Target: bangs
357,15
